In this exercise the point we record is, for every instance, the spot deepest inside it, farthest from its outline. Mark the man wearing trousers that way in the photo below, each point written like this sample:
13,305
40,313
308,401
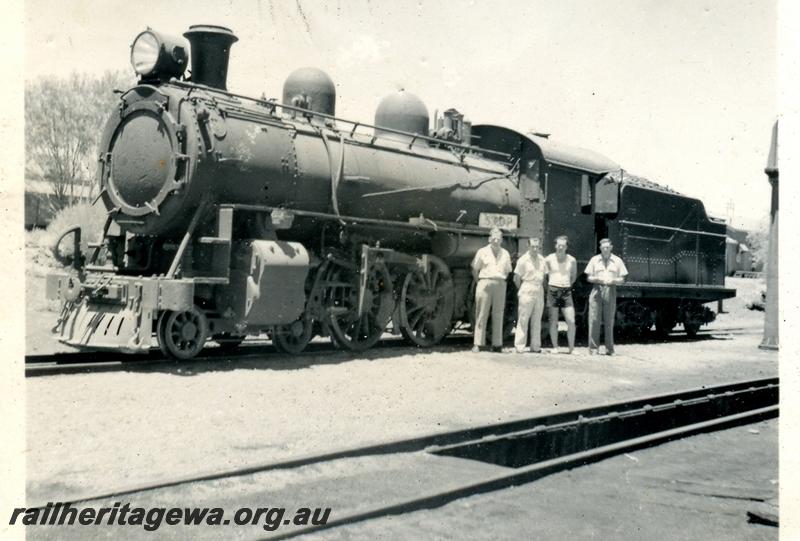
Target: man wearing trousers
529,278
606,271
490,267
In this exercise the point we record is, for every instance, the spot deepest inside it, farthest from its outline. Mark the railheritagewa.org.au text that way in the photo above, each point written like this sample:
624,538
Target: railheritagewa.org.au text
153,518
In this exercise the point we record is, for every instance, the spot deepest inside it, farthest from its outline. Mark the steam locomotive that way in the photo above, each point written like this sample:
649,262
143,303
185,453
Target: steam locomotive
231,216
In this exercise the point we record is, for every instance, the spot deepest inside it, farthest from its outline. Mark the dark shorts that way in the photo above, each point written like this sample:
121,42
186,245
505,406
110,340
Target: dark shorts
559,297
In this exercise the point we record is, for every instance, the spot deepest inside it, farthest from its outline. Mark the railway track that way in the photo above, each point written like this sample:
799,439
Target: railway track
527,449
83,362
255,350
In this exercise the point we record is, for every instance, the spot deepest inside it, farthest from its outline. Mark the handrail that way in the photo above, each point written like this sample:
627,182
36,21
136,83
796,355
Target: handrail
448,227
355,124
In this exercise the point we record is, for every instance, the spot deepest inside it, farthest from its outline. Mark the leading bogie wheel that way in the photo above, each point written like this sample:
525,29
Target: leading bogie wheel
182,335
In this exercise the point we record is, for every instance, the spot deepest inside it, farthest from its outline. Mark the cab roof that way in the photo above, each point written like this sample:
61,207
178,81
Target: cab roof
556,152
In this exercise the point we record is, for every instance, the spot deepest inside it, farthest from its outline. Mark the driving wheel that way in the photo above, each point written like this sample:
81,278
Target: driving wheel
349,329
426,304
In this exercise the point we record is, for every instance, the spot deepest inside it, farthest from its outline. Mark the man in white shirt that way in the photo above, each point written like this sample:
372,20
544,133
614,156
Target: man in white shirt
490,268
606,271
562,271
529,278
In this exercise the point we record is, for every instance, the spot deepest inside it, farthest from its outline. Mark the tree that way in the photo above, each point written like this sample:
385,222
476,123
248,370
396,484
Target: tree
64,119
758,242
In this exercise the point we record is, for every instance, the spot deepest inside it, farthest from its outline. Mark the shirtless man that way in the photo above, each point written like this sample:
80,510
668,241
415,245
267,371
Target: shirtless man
562,270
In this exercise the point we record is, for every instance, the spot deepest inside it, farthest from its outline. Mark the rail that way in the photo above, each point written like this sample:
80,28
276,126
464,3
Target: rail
259,350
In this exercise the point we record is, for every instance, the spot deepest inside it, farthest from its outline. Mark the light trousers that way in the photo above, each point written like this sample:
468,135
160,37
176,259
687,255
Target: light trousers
490,297
602,309
529,314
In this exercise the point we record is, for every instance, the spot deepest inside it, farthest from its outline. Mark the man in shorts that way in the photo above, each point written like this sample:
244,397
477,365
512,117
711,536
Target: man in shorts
562,271
490,268
605,271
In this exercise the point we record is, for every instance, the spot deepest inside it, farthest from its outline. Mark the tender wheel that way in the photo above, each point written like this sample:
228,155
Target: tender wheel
426,304
347,329
294,337
227,341
691,328
664,324
631,318
182,335
694,315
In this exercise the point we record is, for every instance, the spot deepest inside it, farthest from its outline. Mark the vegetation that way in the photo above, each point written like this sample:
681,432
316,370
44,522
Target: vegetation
63,122
758,242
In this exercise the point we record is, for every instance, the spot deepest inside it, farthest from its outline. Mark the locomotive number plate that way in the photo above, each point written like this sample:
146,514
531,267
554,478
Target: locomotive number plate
507,222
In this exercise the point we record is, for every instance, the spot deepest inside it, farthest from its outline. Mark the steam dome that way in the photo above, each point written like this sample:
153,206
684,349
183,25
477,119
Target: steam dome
310,88
401,111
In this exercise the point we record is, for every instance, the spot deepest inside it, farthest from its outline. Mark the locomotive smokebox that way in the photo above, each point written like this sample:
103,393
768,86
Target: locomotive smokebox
401,111
211,47
310,89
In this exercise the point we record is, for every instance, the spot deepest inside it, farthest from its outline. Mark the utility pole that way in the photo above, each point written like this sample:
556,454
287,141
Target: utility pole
771,316
730,207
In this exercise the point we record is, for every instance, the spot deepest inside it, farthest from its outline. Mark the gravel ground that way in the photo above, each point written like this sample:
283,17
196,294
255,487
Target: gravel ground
90,433
697,488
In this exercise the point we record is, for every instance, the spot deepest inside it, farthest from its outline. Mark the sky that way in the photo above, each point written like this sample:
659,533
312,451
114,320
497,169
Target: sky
683,92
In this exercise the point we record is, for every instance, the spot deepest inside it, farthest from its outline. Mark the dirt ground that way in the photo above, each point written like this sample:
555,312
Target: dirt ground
90,433
697,488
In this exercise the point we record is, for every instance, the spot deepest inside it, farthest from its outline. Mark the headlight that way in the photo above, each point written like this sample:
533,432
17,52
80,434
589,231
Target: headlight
158,55
145,52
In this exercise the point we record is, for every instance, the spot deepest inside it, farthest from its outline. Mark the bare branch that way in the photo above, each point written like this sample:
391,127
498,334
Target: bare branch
63,123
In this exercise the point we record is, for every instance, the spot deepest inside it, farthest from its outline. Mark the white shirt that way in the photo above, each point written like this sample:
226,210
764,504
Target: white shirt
560,271
531,271
614,268
486,265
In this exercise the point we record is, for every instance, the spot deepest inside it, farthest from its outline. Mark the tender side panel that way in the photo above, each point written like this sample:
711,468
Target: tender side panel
667,238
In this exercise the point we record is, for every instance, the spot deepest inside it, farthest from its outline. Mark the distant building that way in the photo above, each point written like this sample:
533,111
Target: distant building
738,256
40,204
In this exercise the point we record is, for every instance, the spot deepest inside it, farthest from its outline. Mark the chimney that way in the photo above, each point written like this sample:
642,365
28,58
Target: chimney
211,46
